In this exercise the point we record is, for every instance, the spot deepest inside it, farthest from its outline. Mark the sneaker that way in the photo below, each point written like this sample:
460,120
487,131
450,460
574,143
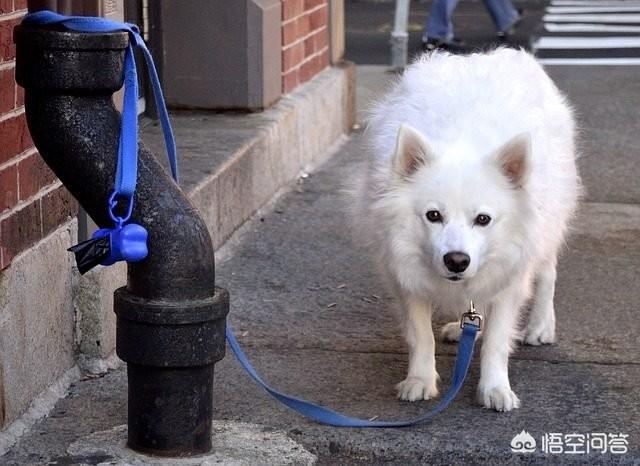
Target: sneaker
439,44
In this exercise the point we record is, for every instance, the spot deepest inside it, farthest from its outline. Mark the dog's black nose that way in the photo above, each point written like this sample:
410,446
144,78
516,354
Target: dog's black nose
456,261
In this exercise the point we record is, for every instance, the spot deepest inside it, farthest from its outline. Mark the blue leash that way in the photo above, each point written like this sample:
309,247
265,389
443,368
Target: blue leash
127,167
326,416
124,187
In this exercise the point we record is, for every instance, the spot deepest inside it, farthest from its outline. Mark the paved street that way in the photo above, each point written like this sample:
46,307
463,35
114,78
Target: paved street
368,24
584,32
316,320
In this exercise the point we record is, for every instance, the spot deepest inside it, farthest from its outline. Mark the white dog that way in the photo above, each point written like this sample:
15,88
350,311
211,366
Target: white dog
467,196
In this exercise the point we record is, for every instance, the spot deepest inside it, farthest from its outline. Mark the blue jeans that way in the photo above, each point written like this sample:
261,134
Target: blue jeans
439,25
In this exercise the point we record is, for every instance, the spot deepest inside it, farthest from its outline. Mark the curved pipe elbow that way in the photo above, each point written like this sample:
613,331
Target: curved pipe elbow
76,128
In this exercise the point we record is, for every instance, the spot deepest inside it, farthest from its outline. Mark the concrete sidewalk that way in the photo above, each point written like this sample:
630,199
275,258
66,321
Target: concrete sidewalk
316,321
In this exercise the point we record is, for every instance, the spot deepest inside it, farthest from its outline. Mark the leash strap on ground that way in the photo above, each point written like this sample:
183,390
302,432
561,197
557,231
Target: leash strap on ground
327,416
125,185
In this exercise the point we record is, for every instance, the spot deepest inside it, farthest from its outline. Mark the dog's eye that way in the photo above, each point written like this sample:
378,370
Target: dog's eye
434,216
482,220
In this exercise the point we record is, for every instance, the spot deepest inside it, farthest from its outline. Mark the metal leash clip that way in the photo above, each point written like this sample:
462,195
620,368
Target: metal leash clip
471,316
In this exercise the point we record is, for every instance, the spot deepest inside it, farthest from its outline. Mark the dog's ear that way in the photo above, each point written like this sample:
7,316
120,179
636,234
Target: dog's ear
412,151
514,159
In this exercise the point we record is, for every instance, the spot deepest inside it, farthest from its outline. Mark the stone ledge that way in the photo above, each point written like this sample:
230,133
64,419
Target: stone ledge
36,326
40,407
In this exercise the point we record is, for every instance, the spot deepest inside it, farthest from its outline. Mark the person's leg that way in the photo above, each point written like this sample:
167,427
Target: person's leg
503,13
439,25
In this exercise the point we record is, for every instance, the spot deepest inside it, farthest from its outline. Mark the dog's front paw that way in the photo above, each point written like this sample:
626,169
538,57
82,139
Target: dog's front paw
500,398
541,334
417,388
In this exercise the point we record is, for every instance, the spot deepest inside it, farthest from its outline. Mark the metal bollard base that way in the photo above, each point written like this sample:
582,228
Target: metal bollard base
170,348
170,410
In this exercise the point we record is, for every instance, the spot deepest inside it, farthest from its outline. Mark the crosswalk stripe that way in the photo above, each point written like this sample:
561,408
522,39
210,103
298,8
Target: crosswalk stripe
624,19
594,3
586,27
590,32
591,61
587,43
593,9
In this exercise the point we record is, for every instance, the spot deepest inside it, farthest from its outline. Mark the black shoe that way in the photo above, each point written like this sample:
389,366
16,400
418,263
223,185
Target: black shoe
433,44
438,44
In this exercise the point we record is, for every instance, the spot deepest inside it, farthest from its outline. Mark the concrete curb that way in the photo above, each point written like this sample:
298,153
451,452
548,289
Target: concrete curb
40,407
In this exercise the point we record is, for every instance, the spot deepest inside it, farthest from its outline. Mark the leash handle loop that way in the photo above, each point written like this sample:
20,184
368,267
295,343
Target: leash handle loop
127,165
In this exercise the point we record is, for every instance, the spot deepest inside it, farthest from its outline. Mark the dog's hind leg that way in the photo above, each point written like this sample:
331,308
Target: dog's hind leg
422,378
541,327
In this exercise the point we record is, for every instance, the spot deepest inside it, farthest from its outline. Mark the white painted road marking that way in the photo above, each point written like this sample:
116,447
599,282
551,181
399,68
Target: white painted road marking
587,18
586,27
589,32
591,61
587,43
593,9
594,3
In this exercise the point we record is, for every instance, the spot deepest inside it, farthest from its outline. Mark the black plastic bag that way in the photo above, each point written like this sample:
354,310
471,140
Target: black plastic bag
91,252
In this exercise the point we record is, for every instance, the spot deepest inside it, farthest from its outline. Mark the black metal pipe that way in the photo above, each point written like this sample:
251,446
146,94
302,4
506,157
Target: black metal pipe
170,315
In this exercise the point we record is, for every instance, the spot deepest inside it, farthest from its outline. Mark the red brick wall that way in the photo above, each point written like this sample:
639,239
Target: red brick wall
32,201
305,40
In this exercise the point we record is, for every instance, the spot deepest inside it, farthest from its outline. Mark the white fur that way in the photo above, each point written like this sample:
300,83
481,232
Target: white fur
461,112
